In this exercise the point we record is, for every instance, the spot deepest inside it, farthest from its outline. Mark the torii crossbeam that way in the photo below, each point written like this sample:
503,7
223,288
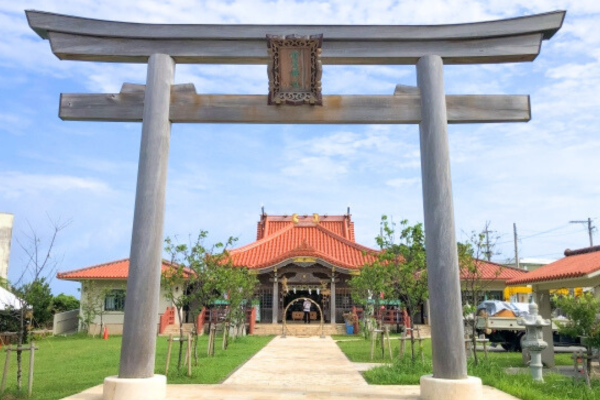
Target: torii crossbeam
159,103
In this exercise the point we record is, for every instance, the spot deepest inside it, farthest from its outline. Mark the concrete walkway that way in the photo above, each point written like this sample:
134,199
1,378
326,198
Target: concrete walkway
294,369
297,361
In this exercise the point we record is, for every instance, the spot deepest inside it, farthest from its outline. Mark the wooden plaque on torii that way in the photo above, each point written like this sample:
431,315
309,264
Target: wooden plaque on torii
294,69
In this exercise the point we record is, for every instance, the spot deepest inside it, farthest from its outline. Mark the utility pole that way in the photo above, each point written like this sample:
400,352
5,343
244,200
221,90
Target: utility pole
590,228
516,246
488,252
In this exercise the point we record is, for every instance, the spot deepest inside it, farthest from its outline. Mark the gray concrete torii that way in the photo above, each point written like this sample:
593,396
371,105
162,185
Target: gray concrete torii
159,103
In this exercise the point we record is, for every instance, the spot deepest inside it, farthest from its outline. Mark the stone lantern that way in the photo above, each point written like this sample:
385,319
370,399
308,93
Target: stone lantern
533,340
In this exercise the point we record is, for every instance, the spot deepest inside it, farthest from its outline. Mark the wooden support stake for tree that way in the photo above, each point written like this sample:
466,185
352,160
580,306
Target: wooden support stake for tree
211,341
6,364
420,344
186,359
30,378
586,373
575,357
402,343
189,354
170,340
225,329
389,342
372,343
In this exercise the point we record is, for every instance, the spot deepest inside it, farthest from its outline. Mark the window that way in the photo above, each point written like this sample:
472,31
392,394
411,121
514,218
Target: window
265,296
343,299
115,300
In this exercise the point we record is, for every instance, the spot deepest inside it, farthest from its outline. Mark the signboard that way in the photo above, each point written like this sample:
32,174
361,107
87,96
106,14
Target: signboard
295,69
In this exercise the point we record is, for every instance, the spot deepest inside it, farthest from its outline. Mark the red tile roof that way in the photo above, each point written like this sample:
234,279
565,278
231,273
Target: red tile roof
493,271
305,239
577,263
341,225
115,270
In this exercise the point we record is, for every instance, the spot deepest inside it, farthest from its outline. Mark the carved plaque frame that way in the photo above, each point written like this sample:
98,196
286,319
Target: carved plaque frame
295,69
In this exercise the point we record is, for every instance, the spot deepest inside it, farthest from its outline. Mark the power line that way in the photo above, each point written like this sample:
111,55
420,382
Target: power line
545,235
547,231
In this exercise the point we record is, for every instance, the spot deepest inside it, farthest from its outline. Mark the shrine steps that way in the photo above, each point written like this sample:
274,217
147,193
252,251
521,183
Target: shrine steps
300,330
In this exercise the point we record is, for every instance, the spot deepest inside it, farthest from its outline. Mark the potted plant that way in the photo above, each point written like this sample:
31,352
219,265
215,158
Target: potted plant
350,320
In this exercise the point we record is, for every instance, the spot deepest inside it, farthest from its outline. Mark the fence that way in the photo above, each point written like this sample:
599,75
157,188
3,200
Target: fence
66,322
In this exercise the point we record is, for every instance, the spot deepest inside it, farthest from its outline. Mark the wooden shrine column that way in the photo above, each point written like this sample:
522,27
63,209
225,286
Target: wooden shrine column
275,299
447,332
332,299
143,285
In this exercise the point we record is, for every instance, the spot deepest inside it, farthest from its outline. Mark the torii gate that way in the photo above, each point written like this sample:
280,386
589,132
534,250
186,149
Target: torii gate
160,103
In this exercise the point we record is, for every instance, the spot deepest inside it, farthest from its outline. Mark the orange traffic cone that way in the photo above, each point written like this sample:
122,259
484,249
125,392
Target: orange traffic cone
105,334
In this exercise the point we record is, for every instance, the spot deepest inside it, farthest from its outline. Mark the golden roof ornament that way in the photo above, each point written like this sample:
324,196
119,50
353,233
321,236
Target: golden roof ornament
316,218
295,218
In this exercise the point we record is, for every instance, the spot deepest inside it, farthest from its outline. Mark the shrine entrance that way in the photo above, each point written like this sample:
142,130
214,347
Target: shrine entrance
295,313
318,314
294,55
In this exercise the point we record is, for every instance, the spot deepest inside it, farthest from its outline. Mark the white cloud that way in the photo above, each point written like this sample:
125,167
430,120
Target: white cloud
311,168
403,182
18,184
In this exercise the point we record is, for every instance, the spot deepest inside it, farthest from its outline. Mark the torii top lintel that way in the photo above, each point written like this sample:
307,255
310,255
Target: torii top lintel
508,40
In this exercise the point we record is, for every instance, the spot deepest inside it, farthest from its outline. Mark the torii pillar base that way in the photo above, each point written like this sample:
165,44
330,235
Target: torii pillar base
153,388
432,388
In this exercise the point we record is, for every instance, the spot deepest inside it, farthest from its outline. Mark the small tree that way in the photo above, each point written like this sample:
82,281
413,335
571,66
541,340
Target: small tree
366,288
39,265
407,268
204,278
473,281
240,285
583,322
172,279
93,296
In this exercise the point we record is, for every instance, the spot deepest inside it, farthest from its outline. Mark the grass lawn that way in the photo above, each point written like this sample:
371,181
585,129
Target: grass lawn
492,372
64,366
359,351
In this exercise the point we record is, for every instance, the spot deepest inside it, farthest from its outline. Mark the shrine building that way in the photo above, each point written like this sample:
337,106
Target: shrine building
310,256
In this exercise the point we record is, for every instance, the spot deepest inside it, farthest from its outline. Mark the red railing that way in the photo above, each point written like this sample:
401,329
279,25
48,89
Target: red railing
251,319
167,319
200,320
388,316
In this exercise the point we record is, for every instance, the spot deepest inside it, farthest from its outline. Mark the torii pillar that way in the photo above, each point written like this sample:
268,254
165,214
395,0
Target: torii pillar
448,351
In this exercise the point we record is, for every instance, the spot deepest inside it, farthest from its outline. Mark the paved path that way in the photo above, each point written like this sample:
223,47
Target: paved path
295,361
295,369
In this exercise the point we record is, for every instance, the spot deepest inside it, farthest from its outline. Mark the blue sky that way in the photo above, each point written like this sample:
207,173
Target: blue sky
540,174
